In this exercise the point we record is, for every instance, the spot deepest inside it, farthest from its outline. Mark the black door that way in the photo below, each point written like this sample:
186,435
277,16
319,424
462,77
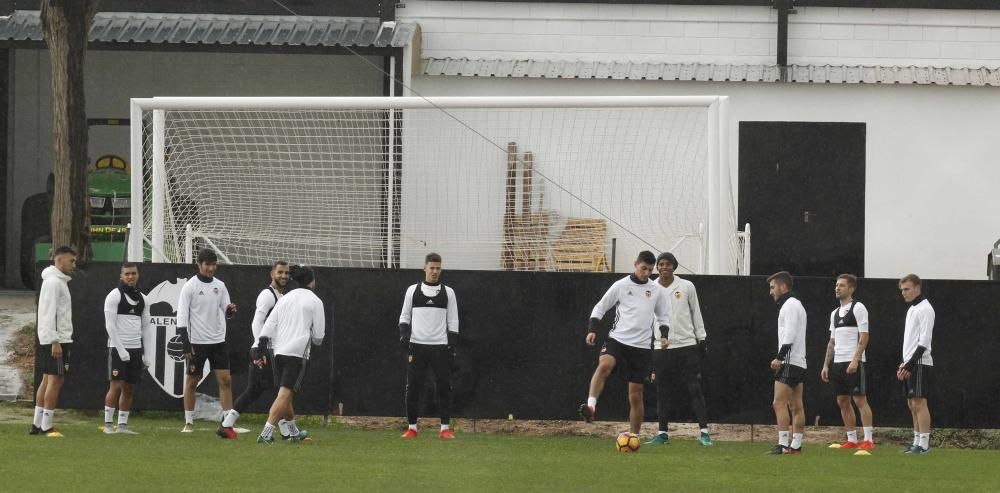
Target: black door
802,189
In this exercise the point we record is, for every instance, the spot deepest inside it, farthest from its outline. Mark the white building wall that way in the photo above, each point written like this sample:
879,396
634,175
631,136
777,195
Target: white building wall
113,77
931,159
931,154
705,34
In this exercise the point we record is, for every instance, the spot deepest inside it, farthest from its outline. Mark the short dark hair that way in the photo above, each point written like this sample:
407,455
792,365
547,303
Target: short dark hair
63,250
432,257
851,279
207,255
277,263
646,257
669,257
912,279
130,265
303,275
782,277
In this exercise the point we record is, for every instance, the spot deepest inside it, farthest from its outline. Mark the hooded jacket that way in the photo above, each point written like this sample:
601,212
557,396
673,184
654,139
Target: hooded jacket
55,310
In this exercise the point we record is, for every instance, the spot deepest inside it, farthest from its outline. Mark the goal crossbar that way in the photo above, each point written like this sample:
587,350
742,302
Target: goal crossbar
409,103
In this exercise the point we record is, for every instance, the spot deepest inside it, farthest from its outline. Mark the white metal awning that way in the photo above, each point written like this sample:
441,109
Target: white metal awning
826,74
210,29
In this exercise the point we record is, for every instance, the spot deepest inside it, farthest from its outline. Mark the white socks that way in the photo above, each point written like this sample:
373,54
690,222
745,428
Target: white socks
704,430
412,427
38,416
123,418
925,440
796,440
268,430
868,433
109,415
293,429
444,427
189,417
592,402
783,438
852,436
47,419
283,427
230,418
916,438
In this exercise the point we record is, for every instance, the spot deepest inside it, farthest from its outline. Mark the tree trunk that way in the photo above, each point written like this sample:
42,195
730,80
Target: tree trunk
66,24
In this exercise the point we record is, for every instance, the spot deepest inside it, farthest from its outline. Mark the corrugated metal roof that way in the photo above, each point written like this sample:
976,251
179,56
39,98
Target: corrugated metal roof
131,27
832,74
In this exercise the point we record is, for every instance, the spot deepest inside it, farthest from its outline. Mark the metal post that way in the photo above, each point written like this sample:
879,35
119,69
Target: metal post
715,233
702,250
614,252
188,244
390,200
746,250
136,165
159,185
784,7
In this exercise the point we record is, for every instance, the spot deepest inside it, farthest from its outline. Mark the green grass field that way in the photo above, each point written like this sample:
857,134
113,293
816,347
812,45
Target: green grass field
344,459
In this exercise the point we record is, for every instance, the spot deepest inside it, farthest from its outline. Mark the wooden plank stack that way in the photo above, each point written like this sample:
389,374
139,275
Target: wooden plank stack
580,247
528,243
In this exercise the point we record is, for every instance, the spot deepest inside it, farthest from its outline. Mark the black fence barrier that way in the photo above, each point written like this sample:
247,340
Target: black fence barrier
523,350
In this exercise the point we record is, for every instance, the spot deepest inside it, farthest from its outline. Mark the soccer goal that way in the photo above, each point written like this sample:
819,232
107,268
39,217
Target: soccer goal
490,183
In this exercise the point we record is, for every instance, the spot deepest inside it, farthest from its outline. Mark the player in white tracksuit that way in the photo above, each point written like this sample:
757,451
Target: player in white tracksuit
55,338
297,322
637,301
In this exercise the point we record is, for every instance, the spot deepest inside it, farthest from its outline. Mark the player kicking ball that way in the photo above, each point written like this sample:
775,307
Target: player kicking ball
637,301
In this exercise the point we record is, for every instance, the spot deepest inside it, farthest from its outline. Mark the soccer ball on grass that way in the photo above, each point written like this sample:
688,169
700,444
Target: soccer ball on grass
627,442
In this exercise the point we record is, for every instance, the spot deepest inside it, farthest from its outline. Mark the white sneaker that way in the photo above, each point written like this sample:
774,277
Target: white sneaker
188,428
108,430
123,430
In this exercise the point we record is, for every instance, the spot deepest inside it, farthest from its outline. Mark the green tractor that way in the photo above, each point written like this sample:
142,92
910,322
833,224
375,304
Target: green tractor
109,185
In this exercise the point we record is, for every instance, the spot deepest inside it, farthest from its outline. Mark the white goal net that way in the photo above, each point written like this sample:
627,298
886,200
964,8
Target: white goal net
531,184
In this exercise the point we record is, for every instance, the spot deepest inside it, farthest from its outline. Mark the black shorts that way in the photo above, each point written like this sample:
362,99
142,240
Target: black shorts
848,383
790,375
53,366
128,371
635,362
918,386
216,354
290,371
677,365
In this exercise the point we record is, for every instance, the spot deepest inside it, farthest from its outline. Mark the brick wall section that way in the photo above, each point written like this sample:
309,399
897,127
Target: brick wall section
705,34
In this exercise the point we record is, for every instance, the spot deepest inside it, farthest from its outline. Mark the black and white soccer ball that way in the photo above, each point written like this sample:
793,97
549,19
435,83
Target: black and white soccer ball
175,348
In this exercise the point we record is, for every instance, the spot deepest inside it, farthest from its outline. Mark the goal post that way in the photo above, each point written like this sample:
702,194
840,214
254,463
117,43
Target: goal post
512,183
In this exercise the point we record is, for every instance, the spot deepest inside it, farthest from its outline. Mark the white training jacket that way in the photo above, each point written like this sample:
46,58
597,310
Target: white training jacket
918,331
297,320
55,309
636,307
687,326
201,308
